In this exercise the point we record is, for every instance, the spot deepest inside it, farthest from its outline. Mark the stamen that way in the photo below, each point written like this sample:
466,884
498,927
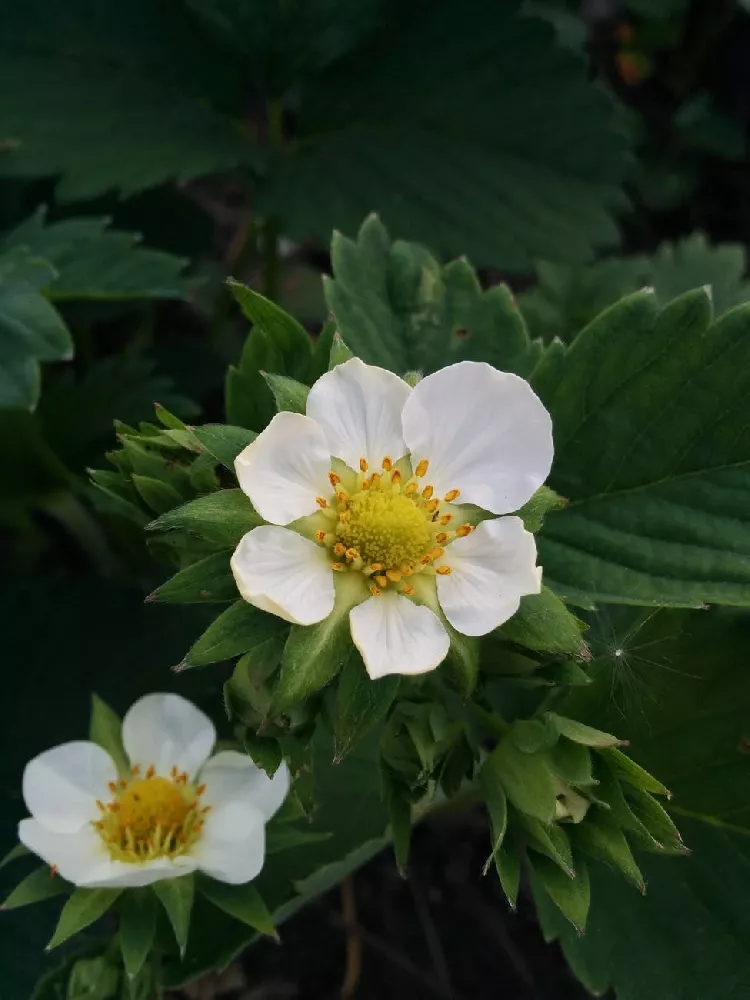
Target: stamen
421,469
427,492
52,871
446,519
375,480
393,574
436,553
387,463
135,770
443,570
320,536
200,789
432,505
321,502
339,549
363,465
352,554
408,589
396,477
100,805
342,497
451,495
464,530
151,771
411,488
112,787
441,538
382,580
376,567
334,479
338,567
123,783
374,590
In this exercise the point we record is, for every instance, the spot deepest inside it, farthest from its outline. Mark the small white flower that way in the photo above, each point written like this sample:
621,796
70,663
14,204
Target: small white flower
177,811
364,494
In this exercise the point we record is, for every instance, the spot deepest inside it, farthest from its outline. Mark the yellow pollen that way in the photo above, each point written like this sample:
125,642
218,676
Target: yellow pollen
432,505
464,530
436,553
376,567
387,463
396,477
352,554
408,589
394,575
451,495
339,549
334,479
341,497
442,538
444,570
421,469
338,567
410,488
320,536
427,492
321,502
385,528
382,580
375,591
363,465
446,519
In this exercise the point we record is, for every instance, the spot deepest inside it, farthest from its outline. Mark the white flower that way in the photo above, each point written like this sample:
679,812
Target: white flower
386,468
178,810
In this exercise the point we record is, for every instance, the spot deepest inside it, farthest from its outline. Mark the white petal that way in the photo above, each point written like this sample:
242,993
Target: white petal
396,636
233,776
491,570
279,571
166,731
285,468
233,846
359,408
61,785
484,432
118,874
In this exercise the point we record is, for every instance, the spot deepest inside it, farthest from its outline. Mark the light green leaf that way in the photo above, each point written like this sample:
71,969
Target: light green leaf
288,393
551,841
651,449
219,518
223,441
313,654
607,842
137,928
82,909
526,779
361,703
208,581
243,902
580,733
339,352
176,896
157,495
291,340
572,896
105,728
237,630
40,884
395,306
543,623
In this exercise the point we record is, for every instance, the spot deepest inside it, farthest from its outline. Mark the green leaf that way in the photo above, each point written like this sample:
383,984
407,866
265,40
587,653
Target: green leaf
339,352
663,523
82,909
157,495
490,780
95,262
397,307
243,902
633,773
399,812
290,338
526,779
580,733
551,841
141,75
14,854
219,518
288,393
223,441
137,928
208,581
313,654
105,729
533,511
543,623
40,884
93,979
607,842
237,630
572,896
361,703
176,896
408,138
508,866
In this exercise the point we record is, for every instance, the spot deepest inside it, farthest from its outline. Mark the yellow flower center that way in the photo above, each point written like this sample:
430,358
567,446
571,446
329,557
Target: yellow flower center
386,528
151,817
388,525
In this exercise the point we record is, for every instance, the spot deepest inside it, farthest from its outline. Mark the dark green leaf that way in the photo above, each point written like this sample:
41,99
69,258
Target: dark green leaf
223,441
543,623
551,841
220,518
291,340
105,728
571,895
82,909
361,703
399,811
288,393
237,630
137,928
526,779
603,840
578,732
19,851
208,581
157,495
497,805
243,902
40,884
176,896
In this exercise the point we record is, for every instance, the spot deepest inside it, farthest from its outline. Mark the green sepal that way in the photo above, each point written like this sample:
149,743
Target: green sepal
218,519
627,770
361,703
14,854
157,495
243,902
526,778
339,352
80,911
580,733
497,806
572,896
38,885
289,394
534,510
208,581
137,911
105,729
237,630
543,623
290,338
399,812
550,840
176,896
223,442
605,841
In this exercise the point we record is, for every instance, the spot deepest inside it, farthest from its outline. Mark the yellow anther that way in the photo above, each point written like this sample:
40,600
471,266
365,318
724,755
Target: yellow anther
135,769
112,785
408,589
376,567
396,477
100,805
375,480
375,591
200,789
387,463
451,495
427,492
393,574
464,530
320,536
338,567
334,479
363,465
151,771
406,571
421,469
436,553
382,579
352,554
321,502
365,484
431,505
441,538
446,519
339,549
342,497
444,570
410,488
344,517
